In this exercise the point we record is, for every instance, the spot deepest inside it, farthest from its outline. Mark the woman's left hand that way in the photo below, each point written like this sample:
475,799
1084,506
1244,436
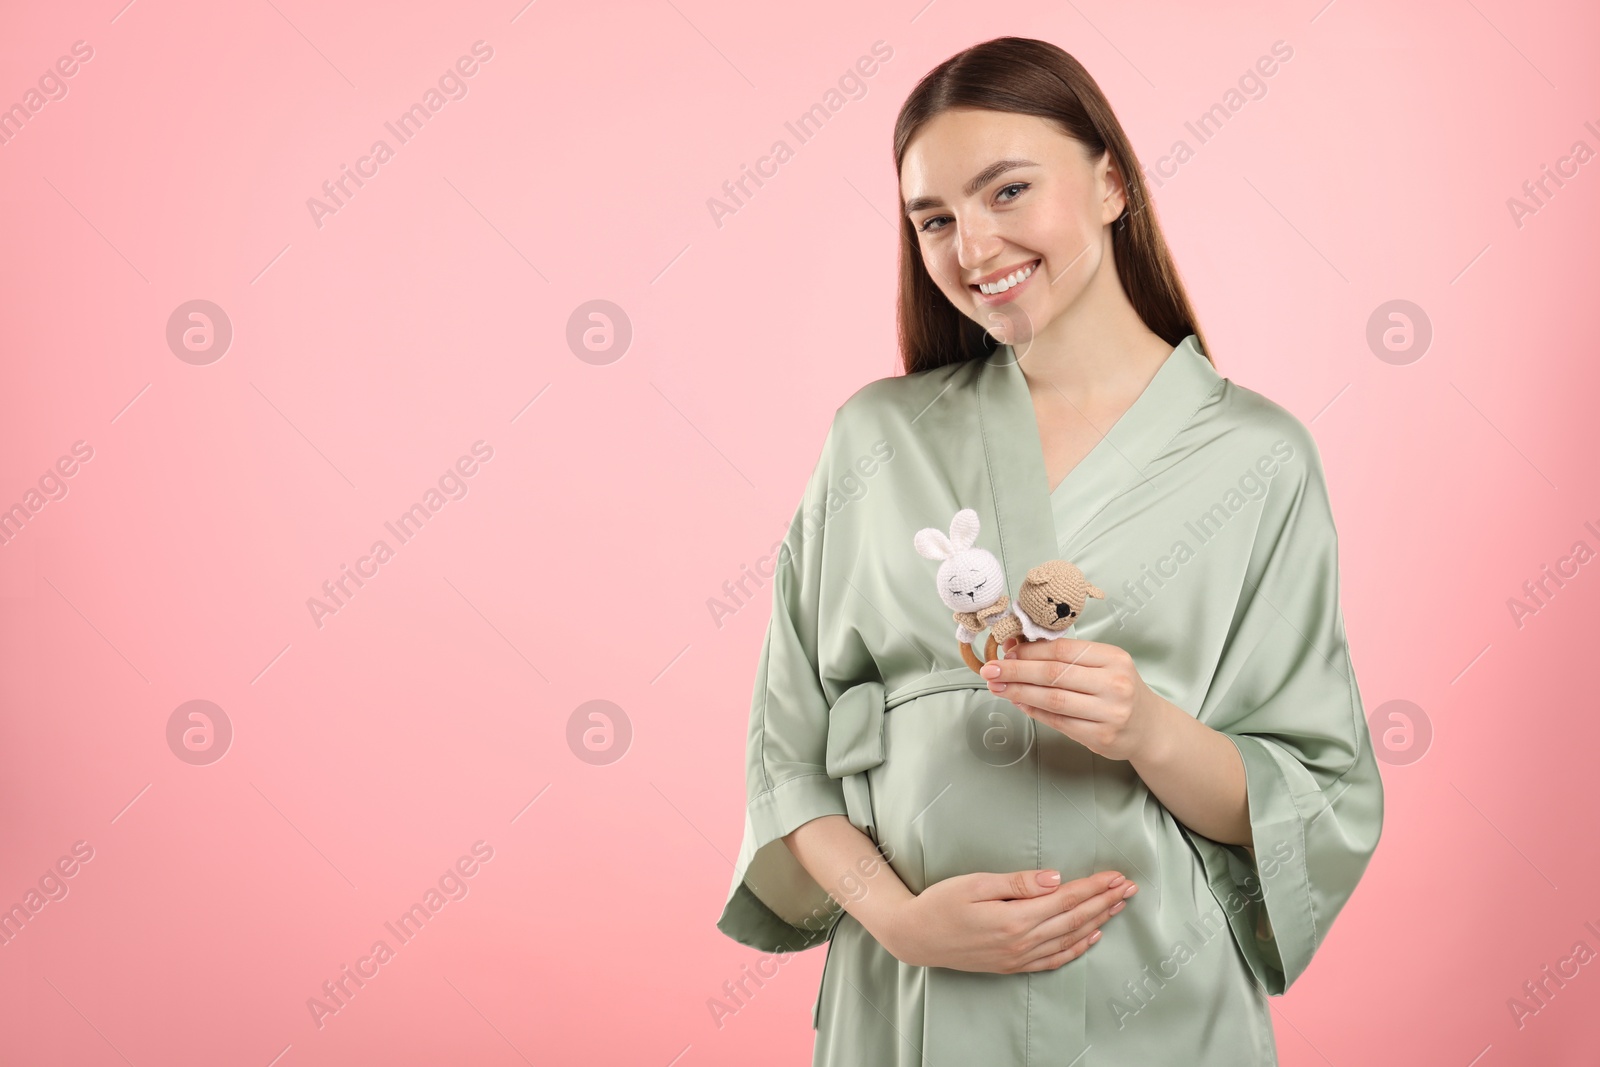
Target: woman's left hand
1089,691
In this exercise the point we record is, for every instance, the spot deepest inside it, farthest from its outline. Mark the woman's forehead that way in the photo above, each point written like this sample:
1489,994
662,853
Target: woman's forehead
946,156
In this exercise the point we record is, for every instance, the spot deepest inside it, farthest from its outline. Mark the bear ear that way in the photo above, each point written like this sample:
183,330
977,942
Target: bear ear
1042,574
931,543
964,529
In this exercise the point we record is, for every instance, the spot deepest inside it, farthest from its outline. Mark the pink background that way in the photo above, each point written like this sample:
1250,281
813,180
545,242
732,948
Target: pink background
428,313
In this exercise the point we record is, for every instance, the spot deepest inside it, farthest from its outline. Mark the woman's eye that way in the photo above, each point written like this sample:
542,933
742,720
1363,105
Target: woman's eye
928,224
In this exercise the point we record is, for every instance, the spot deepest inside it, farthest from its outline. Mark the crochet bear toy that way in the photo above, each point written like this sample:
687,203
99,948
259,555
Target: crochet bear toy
1052,598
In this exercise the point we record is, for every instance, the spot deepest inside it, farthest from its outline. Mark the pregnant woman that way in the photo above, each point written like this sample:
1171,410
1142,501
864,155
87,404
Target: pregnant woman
968,844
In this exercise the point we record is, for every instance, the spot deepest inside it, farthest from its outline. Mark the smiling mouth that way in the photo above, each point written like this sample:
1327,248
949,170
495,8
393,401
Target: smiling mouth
1017,277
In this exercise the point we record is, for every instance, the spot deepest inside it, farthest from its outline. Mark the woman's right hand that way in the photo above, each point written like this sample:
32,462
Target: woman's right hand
1005,923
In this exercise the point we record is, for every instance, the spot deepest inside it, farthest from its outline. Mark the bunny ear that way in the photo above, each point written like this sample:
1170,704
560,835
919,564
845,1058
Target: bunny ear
964,529
1095,591
932,543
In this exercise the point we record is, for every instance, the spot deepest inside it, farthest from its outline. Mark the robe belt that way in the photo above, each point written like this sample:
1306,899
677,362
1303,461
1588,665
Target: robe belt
855,734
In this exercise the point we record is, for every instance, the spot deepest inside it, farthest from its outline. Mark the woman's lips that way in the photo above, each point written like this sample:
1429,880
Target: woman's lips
1009,294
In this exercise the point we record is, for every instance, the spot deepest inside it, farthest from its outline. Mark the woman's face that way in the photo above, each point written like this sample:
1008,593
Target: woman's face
995,194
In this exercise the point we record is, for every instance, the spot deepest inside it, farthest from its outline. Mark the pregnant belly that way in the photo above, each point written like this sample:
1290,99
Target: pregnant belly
968,783
958,789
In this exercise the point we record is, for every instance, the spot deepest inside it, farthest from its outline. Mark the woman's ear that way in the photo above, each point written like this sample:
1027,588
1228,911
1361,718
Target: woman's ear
1114,191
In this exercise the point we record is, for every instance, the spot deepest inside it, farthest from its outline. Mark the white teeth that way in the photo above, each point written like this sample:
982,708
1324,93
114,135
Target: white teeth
1014,278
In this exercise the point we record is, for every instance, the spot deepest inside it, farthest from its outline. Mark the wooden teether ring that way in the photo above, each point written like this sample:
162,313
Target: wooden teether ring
971,657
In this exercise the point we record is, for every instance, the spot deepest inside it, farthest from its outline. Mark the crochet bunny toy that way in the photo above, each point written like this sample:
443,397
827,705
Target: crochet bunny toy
970,579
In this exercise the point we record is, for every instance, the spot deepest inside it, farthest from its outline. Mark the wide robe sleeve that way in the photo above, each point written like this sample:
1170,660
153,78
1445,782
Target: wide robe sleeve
773,902
1284,692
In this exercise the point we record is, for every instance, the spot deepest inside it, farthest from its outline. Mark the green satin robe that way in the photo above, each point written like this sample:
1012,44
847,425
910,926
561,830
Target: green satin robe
1203,514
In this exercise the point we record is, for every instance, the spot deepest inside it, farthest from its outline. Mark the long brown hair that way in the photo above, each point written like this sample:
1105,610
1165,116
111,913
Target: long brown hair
1032,77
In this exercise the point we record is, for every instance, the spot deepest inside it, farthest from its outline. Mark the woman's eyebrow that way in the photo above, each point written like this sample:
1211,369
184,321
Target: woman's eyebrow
978,181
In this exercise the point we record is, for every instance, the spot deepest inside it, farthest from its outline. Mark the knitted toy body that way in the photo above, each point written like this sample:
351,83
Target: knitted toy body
969,624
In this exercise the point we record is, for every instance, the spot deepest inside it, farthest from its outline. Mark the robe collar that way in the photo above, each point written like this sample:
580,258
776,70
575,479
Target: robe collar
1035,525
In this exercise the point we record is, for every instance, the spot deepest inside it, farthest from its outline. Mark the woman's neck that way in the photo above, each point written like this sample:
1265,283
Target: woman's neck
1098,348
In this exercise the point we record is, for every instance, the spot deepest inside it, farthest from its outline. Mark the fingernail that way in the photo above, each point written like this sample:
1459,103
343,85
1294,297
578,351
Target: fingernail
1118,880
1050,878
1118,906
1130,891
990,670
1095,936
